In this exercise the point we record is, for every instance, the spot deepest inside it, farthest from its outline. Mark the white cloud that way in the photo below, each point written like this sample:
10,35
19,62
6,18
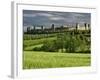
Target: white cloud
57,18
30,15
45,14
38,14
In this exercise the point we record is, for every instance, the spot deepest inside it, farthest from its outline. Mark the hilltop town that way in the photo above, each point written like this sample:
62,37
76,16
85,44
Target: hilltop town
40,29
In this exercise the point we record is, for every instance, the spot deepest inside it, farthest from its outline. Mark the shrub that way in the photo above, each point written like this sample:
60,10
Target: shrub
37,49
49,46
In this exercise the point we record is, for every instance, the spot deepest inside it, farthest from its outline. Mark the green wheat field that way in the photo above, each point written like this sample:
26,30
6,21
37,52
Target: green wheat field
52,60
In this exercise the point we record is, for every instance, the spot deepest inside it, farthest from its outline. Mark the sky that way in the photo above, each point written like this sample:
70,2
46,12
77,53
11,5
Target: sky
47,18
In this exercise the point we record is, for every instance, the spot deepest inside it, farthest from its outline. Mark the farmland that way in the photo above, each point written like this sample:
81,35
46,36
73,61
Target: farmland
56,50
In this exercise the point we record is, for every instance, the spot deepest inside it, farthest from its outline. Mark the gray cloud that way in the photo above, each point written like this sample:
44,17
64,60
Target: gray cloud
31,17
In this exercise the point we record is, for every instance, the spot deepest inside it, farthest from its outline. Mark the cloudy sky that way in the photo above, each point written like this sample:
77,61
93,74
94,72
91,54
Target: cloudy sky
47,18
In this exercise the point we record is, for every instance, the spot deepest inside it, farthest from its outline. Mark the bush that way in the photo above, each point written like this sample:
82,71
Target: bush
49,46
37,49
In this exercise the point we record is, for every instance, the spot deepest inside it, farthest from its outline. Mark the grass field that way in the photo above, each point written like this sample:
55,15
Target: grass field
37,41
32,59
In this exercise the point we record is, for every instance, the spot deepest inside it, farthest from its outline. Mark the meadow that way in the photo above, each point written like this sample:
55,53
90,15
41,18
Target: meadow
35,59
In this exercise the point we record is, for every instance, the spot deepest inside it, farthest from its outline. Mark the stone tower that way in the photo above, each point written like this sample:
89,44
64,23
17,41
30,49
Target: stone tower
77,26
